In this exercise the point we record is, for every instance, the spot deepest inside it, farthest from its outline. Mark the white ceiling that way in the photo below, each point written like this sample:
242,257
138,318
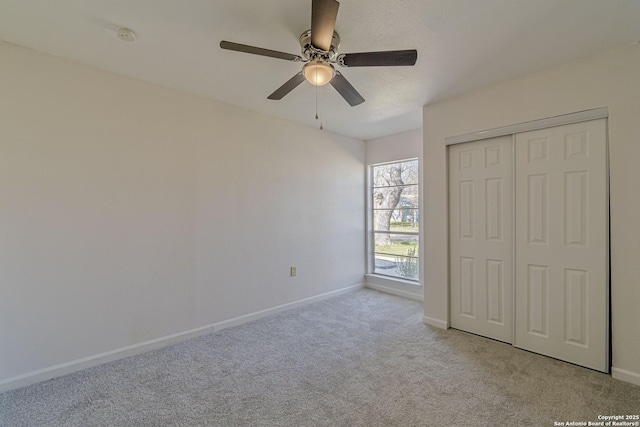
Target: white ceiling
462,45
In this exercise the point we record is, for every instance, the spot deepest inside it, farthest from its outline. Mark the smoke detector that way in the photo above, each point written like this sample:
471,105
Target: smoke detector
126,34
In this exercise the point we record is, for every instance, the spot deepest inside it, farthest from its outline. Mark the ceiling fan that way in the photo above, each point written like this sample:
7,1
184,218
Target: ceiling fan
320,52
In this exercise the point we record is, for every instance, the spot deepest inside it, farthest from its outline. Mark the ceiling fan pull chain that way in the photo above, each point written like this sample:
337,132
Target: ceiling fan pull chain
316,95
321,127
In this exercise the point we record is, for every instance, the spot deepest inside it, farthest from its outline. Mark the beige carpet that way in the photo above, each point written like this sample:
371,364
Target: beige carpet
364,359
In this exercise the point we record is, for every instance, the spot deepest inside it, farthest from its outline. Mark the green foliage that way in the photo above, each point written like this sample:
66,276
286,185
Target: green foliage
404,226
408,267
398,248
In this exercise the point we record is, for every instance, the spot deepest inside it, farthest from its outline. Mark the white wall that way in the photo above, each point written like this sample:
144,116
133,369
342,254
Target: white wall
611,79
400,146
130,212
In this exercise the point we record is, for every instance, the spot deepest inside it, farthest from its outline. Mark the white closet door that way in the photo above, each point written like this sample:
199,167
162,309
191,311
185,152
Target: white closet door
480,211
562,243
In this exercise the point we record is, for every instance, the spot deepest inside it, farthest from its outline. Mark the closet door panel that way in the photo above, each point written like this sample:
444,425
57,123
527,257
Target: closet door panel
480,231
561,264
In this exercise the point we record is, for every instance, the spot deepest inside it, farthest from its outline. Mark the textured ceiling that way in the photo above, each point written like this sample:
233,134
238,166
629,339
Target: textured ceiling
462,45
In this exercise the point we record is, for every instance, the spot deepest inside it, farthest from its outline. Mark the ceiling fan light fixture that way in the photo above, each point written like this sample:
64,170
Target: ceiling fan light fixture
318,72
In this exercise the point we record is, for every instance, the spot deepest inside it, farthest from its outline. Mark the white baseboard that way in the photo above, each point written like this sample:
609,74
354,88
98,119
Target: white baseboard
284,307
132,350
627,376
99,359
395,291
435,322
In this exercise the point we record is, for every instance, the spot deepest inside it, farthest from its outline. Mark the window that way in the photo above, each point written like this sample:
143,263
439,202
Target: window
395,219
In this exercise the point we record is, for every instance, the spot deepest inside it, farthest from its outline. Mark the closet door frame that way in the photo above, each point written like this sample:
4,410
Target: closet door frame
565,119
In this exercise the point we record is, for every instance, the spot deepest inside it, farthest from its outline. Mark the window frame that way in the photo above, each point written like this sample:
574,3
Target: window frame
371,235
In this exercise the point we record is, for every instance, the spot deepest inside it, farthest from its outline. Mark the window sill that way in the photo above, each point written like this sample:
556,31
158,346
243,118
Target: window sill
396,286
393,280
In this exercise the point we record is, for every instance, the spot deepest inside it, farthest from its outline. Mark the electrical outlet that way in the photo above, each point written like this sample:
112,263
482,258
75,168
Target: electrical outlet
293,271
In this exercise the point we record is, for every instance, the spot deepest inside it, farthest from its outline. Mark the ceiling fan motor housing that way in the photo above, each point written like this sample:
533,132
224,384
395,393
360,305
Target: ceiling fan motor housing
311,52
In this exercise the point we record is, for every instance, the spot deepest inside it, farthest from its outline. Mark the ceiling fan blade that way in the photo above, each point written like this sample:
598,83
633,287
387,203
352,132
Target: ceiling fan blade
259,51
323,22
290,85
387,58
344,88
